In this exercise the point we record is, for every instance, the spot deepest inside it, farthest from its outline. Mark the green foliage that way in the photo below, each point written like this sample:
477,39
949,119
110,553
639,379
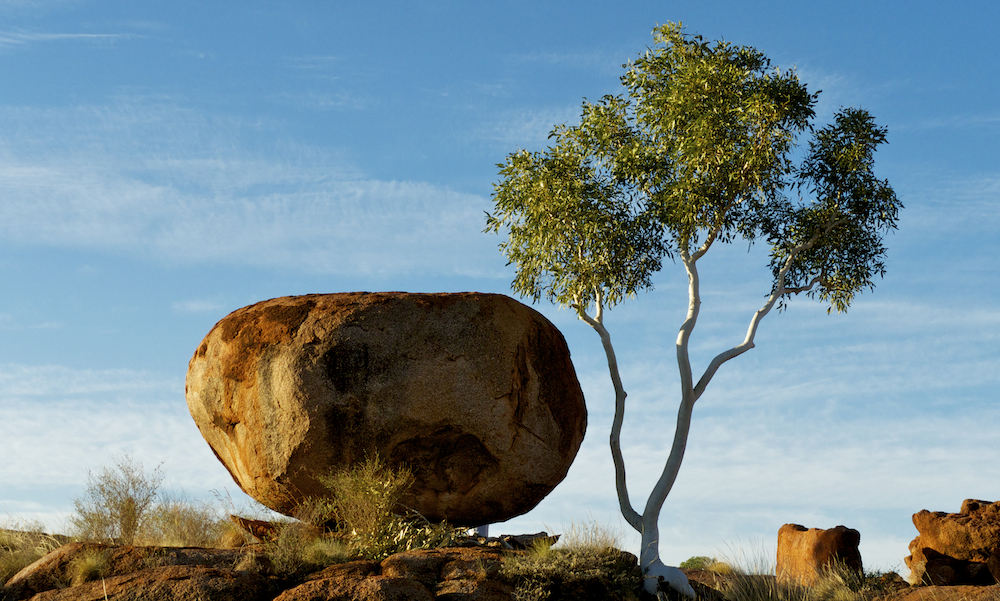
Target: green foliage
553,574
699,562
116,501
697,149
363,498
711,564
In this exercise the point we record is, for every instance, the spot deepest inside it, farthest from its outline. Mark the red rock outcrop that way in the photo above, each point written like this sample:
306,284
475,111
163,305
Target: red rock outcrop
804,553
475,392
957,548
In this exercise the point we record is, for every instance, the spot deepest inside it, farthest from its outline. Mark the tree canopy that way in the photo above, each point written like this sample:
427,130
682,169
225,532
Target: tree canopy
698,149
702,147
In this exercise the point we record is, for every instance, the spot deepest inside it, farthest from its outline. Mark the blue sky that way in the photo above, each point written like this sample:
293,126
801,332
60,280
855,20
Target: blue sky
163,164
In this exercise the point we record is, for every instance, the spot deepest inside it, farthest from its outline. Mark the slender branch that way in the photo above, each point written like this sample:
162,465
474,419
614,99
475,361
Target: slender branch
714,232
596,322
779,291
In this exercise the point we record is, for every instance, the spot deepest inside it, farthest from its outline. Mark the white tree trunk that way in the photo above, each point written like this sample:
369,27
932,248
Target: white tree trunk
655,572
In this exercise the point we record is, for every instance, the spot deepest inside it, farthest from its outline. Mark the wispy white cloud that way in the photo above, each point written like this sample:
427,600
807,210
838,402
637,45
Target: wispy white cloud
16,38
197,306
199,195
323,101
527,129
605,62
57,423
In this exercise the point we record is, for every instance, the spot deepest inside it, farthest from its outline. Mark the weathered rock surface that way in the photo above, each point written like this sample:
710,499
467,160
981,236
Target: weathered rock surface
171,583
175,574
803,553
475,392
957,548
453,573
55,570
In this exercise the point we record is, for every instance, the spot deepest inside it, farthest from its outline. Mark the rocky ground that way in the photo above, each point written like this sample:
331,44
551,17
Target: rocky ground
166,573
458,573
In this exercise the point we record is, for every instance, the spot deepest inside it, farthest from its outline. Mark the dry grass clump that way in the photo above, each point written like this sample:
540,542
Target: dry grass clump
585,563
837,583
87,566
122,505
21,544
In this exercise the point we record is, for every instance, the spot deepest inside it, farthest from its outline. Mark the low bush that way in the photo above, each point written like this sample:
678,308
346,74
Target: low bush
115,503
177,522
364,504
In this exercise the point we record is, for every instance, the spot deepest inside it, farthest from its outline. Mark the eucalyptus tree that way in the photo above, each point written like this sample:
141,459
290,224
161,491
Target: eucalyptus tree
699,150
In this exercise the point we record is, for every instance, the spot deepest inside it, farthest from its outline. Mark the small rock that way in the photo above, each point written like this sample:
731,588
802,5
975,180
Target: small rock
804,553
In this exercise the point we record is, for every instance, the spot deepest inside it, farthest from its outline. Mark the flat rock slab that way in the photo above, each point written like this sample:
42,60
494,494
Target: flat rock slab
476,393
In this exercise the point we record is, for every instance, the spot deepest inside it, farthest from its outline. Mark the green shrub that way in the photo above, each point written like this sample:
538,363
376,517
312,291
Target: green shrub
115,502
699,562
364,501
363,498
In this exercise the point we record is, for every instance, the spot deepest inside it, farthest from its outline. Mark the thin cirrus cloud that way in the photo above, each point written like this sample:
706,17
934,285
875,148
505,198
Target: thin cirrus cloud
203,195
17,38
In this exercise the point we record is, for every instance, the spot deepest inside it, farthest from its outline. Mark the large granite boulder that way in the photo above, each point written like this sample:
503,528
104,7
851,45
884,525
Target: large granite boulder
957,548
805,553
476,393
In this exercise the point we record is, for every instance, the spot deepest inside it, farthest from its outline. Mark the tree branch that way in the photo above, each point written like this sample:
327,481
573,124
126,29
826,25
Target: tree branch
714,232
779,291
596,322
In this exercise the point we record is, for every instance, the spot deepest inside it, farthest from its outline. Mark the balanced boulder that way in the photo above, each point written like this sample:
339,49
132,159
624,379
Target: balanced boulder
475,393
957,548
805,553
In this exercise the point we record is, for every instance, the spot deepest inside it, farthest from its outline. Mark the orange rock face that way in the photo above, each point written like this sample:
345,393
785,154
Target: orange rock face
476,393
957,548
803,553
